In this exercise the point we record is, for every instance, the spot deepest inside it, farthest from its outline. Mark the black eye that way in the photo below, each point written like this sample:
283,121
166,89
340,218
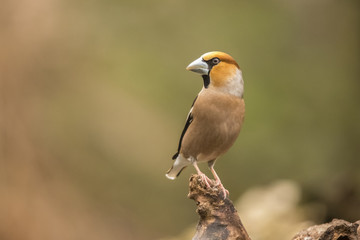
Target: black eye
215,61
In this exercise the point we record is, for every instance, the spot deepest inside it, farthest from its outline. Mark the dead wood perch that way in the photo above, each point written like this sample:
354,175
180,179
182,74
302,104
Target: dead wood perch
335,230
218,217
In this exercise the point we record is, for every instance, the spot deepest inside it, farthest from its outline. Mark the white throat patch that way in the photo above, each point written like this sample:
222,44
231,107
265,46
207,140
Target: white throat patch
235,85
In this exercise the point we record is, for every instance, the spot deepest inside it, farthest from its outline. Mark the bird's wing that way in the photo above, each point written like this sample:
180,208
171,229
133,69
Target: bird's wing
189,120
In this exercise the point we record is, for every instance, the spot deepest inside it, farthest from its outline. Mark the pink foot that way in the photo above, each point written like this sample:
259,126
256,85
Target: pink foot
223,189
205,179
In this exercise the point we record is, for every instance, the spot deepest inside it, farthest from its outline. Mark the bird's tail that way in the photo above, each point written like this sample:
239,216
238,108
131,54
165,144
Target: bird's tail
179,165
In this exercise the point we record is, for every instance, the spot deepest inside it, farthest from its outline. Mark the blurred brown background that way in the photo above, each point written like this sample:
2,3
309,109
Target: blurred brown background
94,95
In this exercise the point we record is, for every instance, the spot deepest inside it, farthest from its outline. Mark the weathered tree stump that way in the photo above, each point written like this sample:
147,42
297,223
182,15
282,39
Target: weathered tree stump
335,230
218,216
220,220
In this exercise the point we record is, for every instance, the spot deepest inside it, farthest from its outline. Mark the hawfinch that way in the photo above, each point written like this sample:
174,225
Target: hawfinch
215,117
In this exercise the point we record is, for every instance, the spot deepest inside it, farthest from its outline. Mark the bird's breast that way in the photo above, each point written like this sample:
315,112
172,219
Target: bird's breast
217,120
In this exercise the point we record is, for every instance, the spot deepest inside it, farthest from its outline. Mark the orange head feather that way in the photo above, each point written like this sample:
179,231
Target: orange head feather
222,71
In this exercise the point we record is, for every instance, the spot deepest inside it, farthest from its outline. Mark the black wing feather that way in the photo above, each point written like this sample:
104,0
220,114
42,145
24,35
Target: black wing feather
187,124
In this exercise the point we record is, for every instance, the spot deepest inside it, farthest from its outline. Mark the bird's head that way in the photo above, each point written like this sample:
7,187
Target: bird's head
219,71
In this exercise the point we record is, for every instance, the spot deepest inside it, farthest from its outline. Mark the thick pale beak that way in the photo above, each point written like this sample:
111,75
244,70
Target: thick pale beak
199,66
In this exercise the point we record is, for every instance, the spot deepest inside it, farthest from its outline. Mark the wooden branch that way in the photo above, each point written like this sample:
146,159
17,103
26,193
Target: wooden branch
218,217
335,230
220,220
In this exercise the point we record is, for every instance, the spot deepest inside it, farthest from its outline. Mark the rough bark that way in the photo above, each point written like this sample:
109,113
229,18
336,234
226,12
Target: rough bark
218,216
220,220
335,230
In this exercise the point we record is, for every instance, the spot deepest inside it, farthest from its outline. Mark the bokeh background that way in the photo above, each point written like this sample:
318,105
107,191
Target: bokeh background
94,95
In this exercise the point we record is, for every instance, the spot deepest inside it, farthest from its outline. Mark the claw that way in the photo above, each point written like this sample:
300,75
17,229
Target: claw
208,182
223,189
218,182
205,179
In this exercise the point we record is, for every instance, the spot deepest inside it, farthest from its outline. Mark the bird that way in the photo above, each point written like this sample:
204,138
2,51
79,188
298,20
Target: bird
215,118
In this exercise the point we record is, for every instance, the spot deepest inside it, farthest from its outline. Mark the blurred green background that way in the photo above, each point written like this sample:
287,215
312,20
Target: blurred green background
94,96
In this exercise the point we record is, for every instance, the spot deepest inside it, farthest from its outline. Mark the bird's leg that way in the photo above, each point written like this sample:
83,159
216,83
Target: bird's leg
202,175
217,179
